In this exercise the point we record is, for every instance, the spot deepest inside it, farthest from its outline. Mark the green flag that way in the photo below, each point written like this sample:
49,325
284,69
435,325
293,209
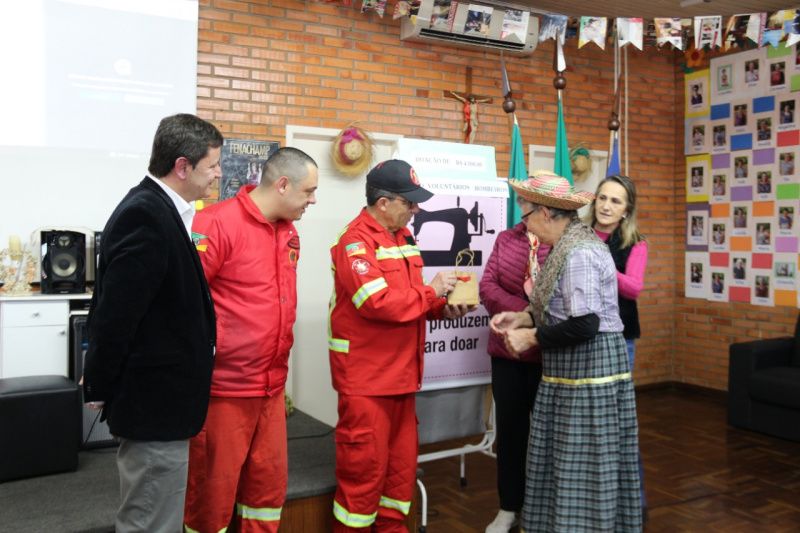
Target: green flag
516,171
562,165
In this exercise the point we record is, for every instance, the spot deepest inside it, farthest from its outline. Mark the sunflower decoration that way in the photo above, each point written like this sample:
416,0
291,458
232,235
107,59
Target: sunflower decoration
694,58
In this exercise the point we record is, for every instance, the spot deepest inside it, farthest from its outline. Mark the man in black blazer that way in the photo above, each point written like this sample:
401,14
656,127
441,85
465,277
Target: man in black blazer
152,326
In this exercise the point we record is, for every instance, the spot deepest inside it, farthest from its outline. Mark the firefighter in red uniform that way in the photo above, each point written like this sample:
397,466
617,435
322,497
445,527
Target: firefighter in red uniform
376,345
249,249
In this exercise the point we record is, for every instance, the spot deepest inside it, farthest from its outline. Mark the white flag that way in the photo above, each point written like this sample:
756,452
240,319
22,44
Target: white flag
793,30
708,31
668,31
629,31
593,30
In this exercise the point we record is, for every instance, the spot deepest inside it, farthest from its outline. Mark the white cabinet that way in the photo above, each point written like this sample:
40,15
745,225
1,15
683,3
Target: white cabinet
34,335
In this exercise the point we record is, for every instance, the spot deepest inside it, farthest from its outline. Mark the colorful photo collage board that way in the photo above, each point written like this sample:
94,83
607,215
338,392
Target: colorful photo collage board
742,151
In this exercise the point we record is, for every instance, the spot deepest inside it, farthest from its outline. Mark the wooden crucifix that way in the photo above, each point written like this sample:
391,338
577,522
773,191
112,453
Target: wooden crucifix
470,107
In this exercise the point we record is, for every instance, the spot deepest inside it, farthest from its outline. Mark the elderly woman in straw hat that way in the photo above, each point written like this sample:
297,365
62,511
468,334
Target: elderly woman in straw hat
582,472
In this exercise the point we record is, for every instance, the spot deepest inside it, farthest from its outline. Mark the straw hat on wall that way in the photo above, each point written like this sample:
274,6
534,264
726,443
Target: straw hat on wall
352,151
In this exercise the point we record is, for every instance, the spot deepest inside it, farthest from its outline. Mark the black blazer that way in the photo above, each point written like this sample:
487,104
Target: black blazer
151,324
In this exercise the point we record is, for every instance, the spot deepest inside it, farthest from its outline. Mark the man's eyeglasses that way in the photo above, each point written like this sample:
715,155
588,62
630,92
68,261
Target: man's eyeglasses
403,201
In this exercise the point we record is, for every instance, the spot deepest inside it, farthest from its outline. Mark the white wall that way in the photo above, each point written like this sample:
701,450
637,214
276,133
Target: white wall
339,200
85,85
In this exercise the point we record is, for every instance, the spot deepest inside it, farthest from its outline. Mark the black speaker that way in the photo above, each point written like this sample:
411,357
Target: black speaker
98,237
94,434
63,262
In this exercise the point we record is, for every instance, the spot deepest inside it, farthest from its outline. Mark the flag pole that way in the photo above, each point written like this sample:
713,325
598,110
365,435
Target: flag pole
516,165
562,163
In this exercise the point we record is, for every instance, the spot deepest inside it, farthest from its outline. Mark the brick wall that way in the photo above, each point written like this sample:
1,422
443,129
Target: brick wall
265,64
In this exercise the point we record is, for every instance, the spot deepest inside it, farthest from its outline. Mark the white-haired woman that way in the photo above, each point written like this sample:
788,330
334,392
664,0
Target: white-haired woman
582,472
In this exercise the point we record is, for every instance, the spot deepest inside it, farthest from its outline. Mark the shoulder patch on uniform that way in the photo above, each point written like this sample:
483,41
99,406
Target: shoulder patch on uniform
357,248
197,239
360,266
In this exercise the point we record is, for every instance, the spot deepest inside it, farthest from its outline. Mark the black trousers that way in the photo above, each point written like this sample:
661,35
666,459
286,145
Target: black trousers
514,386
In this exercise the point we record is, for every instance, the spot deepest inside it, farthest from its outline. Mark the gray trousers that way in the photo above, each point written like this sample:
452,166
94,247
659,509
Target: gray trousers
152,485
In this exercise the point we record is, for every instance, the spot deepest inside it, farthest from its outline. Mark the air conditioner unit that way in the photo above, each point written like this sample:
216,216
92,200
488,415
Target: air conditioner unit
455,31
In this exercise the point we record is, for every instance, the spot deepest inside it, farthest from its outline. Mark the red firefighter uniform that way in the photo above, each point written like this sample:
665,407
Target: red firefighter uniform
376,345
240,456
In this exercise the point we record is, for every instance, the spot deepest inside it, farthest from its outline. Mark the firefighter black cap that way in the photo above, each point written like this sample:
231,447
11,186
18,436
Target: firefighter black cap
397,176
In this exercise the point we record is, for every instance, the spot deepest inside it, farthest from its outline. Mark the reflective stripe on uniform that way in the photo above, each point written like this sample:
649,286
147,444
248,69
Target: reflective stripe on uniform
187,529
396,252
367,290
338,345
265,514
410,250
352,519
397,505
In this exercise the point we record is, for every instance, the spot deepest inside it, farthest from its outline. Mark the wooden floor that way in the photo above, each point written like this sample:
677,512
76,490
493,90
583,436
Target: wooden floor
700,474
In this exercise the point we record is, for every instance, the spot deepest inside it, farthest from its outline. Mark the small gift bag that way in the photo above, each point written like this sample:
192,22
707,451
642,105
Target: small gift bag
466,289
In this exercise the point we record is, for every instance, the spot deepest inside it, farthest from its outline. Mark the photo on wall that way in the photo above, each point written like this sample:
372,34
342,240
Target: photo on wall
762,239
720,130
740,269
696,279
719,241
720,282
699,138
696,93
777,75
697,228
698,178
741,169
720,189
741,115
784,270
787,164
787,213
764,137
787,116
741,218
763,288
765,188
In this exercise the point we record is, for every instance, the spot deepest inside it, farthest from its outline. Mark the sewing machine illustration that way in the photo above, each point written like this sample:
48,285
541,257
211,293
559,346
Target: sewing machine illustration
460,219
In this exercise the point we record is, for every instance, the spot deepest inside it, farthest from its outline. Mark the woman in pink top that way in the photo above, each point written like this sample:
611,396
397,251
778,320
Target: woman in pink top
612,215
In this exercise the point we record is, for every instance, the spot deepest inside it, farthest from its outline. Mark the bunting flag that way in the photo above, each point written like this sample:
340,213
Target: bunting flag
775,28
668,31
629,31
593,30
708,32
378,6
793,29
745,26
613,161
755,27
553,27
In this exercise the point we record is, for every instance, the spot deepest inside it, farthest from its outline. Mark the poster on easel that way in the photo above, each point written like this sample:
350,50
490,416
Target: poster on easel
467,212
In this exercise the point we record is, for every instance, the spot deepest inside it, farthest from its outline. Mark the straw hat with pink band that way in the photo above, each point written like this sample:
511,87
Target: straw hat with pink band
549,189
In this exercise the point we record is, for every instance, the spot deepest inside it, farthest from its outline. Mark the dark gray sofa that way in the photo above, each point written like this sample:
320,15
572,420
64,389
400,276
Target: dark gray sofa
764,386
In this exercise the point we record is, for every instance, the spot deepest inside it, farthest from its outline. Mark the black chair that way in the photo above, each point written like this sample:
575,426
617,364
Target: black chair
39,426
764,386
